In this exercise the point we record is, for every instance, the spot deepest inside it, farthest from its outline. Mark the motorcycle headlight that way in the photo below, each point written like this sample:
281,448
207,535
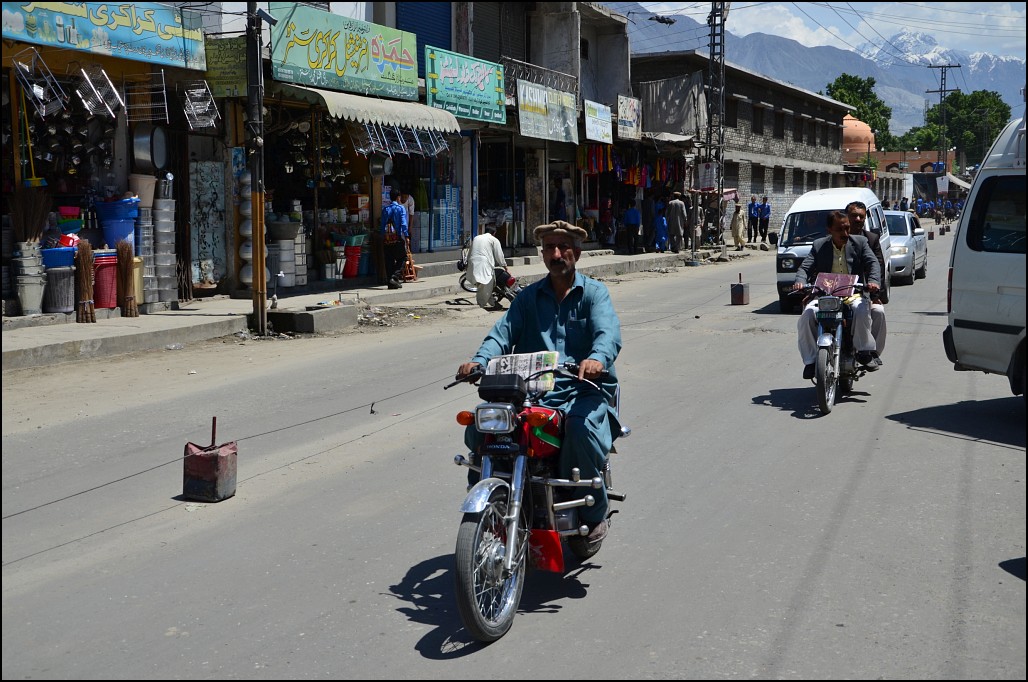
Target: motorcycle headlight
495,418
898,250
829,304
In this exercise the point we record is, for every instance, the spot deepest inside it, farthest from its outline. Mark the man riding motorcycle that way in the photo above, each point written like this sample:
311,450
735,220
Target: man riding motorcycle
843,253
857,213
572,314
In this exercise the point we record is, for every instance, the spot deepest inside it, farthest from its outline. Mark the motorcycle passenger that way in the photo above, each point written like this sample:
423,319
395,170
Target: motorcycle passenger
857,213
486,264
843,253
572,314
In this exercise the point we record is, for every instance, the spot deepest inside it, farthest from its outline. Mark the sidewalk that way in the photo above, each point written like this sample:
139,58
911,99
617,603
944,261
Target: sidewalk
47,339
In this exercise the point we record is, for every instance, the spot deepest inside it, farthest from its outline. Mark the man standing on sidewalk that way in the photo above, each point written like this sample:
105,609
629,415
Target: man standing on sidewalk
676,221
394,239
765,219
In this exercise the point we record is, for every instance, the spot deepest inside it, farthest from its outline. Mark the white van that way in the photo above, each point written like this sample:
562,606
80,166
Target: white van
807,220
986,268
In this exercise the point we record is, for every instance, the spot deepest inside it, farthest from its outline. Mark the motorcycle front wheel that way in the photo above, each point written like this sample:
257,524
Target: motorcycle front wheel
826,379
466,285
487,598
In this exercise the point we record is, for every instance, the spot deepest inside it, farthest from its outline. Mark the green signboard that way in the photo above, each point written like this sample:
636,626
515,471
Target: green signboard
464,86
325,50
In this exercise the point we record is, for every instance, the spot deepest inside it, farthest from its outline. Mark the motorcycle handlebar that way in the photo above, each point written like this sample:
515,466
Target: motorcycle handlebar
566,368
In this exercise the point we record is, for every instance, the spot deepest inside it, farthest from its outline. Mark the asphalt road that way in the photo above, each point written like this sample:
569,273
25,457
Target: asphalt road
759,539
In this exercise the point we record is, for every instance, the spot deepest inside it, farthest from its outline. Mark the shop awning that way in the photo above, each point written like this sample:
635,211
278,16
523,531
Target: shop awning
674,139
958,182
362,109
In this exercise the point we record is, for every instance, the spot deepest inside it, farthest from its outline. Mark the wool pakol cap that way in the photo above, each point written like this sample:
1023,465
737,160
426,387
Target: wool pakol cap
559,227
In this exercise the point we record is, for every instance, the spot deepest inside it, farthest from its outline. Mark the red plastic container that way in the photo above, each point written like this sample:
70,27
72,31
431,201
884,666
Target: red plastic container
105,285
353,261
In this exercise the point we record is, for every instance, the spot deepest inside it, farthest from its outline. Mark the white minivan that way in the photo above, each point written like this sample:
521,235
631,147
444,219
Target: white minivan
986,297
807,220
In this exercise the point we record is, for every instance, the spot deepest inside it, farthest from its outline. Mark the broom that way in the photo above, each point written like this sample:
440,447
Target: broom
84,311
32,181
126,292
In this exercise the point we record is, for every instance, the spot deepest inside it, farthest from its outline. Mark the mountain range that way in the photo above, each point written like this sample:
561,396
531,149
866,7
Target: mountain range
901,73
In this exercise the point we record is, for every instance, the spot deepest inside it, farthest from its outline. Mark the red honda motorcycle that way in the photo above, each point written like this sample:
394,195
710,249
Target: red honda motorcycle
518,513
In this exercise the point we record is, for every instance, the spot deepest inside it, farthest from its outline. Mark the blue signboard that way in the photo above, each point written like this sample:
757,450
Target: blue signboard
143,31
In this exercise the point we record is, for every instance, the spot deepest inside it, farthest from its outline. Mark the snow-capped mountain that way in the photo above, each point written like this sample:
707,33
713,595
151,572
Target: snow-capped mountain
899,81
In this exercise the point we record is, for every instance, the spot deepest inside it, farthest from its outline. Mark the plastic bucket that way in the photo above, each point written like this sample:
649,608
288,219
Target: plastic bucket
105,286
117,210
59,296
117,230
143,186
61,257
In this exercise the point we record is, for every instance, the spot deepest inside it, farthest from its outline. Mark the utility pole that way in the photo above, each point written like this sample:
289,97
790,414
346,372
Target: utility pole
716,102
942,107
255,145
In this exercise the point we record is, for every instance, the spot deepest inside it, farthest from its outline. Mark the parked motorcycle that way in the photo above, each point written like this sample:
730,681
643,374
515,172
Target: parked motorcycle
505,286
836,368
519,511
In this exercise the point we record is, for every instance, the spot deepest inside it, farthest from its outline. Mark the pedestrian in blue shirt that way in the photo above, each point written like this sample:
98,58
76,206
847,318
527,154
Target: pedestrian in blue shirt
394,239
765,219
661,238
633,225
753,213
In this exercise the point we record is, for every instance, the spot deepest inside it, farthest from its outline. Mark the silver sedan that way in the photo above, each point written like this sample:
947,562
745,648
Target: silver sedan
909,250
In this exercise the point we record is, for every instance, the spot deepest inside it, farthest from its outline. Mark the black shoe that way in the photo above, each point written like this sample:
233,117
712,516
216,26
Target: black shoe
877,359
393,284
808,371
867,359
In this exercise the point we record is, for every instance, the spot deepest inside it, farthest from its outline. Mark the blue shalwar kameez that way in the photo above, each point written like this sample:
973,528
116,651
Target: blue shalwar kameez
583,326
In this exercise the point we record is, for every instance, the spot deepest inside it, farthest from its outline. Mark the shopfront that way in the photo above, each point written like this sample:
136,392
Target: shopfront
96,101
337,173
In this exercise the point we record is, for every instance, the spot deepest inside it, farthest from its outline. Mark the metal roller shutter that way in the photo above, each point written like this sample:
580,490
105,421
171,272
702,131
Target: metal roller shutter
430,21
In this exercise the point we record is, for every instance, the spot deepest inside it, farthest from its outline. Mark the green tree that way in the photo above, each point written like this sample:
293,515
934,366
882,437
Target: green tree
972,122
860,94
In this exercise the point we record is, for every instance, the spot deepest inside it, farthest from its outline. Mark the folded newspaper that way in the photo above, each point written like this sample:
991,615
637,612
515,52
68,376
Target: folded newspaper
526,364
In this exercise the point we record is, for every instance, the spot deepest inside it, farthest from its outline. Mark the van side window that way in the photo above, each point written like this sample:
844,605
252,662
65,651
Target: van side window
997,222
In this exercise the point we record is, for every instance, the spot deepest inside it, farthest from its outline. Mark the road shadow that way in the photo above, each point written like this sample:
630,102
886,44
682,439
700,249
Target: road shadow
999,420
802,402
428,592
1014,567
774,308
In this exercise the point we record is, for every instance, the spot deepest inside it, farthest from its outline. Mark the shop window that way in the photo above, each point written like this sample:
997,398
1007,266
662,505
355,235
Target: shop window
779,125
499,183
758,121
591,189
